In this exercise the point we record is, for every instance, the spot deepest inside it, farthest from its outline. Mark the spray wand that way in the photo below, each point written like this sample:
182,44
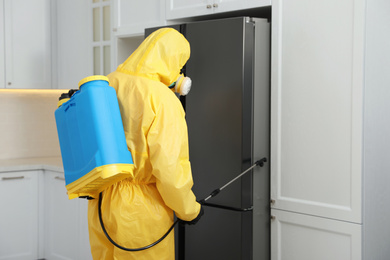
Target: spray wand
216,191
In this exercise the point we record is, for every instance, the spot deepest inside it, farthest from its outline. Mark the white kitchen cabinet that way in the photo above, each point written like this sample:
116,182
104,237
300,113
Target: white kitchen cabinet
182,9
19,215
176,9
298,237
329,132
72,39
132,17
38,221
27,44
317,104
66,230
101,37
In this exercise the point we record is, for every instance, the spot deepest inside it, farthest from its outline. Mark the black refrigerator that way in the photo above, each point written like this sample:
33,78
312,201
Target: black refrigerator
228,117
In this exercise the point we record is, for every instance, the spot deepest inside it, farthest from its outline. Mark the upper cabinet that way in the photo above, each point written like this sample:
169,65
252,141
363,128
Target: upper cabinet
44,43
182,9
26,44
132,17
101,37
72,42
176,9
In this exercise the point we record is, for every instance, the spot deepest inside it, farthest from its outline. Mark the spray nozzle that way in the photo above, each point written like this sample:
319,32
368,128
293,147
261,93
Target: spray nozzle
261,162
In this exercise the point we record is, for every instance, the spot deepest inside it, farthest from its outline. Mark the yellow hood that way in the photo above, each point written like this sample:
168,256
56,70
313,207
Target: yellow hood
160,57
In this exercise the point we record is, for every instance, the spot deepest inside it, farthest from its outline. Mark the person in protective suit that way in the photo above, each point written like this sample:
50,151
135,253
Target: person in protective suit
138,211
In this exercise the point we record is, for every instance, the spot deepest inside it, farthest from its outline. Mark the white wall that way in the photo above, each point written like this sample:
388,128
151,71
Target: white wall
27,123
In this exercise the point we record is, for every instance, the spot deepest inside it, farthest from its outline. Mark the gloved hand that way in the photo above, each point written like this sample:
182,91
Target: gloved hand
195,220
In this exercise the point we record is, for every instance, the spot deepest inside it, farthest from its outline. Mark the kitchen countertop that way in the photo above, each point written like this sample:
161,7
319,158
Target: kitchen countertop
26,164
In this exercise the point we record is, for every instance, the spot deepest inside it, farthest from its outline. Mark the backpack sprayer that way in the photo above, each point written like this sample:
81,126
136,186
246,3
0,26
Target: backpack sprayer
93,146
92,139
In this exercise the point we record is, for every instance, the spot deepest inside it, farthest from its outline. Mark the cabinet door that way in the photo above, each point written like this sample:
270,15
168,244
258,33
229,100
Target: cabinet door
180,9
27,43
316,118
72,45
65,229
302,237
234,5
132,17
84,246
19,215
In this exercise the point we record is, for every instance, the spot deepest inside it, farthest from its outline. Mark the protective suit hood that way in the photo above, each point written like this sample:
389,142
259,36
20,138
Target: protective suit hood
160,57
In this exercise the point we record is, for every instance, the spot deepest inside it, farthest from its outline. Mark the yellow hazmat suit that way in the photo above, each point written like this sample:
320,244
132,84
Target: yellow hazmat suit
136,212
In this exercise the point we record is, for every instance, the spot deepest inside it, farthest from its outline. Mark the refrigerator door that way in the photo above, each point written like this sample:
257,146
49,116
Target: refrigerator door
219,118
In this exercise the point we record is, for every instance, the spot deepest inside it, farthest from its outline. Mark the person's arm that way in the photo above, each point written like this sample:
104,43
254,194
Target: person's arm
168,149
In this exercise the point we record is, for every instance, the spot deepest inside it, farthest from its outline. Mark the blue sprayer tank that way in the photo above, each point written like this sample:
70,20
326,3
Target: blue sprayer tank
92,140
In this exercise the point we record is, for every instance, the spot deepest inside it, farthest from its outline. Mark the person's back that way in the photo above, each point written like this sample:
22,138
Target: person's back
138,211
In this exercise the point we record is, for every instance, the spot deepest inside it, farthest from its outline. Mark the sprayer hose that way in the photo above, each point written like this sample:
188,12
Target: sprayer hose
130,249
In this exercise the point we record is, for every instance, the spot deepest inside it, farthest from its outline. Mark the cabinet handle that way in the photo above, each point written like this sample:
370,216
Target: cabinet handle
215,5
9,83
12,178
209,6
59,178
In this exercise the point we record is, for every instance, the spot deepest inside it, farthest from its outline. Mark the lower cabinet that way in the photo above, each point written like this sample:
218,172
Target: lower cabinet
297,236
38,221
19,215
66,226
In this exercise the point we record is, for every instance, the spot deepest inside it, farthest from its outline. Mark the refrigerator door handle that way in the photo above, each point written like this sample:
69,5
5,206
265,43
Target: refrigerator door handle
227,207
